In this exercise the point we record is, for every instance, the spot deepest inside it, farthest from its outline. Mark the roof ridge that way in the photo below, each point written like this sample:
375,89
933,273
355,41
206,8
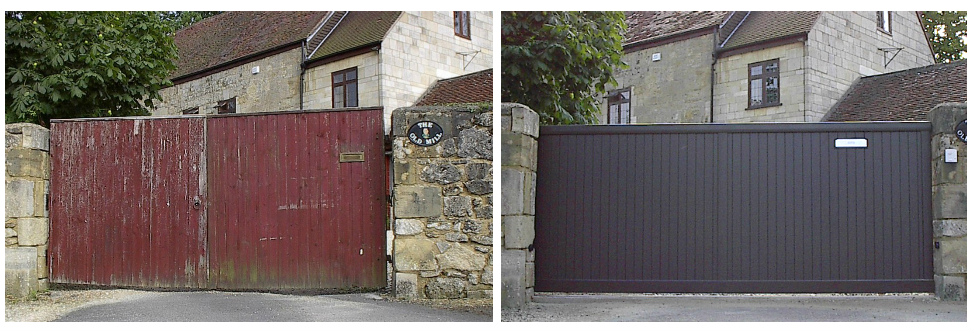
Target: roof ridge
921,69
466,75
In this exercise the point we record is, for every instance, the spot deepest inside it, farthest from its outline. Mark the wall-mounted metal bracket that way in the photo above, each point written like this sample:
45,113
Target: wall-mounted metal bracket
888,50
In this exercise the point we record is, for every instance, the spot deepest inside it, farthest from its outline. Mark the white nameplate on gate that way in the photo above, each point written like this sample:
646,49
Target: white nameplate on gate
851,143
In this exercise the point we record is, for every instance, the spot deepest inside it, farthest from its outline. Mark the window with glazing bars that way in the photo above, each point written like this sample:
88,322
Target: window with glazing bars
619,106
763,84
345,90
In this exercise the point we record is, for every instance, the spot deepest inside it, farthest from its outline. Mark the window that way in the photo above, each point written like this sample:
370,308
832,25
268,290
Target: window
883,21
345,89
462,24
192,110
763,84
619,106
227,106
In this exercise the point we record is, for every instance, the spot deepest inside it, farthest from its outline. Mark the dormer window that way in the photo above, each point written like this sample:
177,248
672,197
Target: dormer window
883,21
462,24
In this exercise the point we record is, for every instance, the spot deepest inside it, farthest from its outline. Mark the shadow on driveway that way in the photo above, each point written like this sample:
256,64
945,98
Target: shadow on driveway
737,308
262,307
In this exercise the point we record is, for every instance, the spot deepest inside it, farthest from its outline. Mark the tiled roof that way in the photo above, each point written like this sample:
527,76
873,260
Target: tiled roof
765,26
234,35
902,96
470,88
357,29
648,26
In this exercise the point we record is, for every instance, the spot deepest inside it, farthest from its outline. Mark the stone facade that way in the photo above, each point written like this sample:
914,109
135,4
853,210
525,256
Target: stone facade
839,48
442,205
28,175
731,86
949,203
273,88
318,81
519,163
683,71
419,49
843,46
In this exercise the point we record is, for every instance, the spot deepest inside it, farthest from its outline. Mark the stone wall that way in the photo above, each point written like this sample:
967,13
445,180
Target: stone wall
949,203
273,88
28,165
674,89
442,222
843,46
519,163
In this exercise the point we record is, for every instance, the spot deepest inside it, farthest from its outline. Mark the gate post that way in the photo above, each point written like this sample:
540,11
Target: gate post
442,191
519,162
949,181
26,216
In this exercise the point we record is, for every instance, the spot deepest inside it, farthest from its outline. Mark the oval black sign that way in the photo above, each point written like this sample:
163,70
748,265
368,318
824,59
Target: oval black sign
425,133
961,130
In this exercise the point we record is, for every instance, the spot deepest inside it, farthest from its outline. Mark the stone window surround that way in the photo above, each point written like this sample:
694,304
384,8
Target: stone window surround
614,97
777,75
345,83
462,24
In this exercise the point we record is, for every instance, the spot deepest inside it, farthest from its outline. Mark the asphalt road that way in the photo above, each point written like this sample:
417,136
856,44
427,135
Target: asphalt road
737,308
261,307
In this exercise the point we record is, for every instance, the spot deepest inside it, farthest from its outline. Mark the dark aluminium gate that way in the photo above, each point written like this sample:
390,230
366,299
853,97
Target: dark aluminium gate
283,200
828,207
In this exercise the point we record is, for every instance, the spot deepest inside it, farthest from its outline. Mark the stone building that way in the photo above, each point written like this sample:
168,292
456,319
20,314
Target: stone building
271,61
755,66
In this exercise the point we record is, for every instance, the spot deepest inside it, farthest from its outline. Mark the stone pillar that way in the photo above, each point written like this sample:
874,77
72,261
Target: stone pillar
519,162
26,225
949,202
442,225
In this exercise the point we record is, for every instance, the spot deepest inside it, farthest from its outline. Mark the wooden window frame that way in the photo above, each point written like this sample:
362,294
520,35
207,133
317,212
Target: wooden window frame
345,83
764,76
462,25
227,106
889,17
616,97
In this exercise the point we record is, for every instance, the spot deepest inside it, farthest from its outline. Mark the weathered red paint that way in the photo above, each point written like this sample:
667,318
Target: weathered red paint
284,212
122,208
277,210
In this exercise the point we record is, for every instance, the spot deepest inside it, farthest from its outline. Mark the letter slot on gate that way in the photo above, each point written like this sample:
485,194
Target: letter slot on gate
850,143
352,157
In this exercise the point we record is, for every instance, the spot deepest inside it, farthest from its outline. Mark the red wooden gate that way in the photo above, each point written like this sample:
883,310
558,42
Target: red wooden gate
285,211
123,194
289,200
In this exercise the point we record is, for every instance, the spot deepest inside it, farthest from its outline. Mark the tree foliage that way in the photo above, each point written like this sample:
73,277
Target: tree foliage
558,63
945,31
85,64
